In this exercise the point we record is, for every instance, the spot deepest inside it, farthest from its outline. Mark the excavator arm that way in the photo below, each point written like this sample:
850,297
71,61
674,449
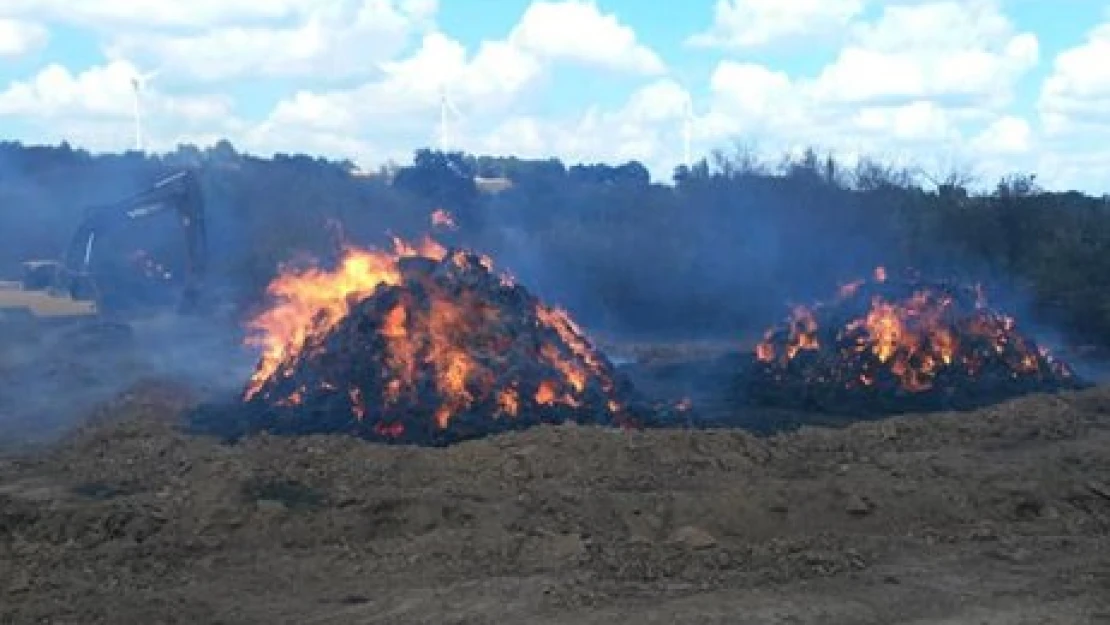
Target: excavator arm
179,193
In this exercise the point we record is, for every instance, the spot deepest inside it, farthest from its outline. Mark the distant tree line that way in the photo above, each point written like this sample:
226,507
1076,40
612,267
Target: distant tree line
722,250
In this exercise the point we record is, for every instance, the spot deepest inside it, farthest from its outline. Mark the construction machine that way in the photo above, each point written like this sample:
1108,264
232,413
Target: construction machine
101,282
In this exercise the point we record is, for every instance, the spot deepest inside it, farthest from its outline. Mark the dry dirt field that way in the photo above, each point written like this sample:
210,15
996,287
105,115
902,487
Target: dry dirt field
997,517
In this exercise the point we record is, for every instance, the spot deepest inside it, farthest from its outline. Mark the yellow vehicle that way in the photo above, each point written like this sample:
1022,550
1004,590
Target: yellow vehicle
81,288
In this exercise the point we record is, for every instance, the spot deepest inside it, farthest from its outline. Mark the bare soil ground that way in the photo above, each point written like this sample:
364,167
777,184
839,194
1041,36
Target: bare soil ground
1001,516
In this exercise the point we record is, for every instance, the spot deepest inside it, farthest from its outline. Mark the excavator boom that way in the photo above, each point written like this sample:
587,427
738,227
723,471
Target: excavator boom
179,192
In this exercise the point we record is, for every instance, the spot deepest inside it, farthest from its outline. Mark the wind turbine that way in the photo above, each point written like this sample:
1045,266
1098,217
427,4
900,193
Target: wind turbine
445,106
138,85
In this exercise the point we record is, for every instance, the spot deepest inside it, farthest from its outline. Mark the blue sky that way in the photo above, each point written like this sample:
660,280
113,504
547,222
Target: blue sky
987,86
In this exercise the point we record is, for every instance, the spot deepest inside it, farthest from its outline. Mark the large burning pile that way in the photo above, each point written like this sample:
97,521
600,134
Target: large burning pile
422,344
898,345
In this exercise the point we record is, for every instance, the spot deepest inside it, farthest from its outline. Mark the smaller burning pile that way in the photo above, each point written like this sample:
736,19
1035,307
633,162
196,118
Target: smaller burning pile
887,346
421,345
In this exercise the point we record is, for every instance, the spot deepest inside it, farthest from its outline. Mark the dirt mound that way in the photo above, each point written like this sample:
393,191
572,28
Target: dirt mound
133,521
886,346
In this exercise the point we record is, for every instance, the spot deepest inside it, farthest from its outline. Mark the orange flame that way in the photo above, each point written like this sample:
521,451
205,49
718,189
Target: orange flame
912,338
418,339
443,219
803,336
311,303
508,402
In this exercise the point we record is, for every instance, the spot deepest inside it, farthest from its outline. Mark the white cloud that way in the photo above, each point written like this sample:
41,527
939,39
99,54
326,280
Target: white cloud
400,109
496,71
53,92
393,105
1075,169
595,136
661,101
748,96
343,39
919,83
967,53
1074,114
753,102
1006,135
96,106
916,81
340,39
578,31
919,121
393,111
940,23
108,15
523,136
18,37
956,54
647,128
1076,96
101,91
752,23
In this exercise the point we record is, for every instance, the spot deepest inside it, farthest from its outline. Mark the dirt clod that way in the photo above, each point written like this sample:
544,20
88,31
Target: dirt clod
693,538
858,506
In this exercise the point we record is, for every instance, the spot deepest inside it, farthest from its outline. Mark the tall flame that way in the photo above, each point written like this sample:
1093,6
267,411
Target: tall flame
446,330
310,302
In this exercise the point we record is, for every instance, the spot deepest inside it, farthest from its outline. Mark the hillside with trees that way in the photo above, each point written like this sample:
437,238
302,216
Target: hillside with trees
722,250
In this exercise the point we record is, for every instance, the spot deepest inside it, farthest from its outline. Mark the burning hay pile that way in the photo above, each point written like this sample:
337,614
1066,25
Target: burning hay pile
886,346
422,345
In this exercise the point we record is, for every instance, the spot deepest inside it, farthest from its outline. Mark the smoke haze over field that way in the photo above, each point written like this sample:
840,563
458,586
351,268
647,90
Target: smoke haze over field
721,254
52,383
53,373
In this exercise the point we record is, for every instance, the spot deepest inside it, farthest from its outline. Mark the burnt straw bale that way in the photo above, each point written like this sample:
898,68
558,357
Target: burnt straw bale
447,351
887,346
